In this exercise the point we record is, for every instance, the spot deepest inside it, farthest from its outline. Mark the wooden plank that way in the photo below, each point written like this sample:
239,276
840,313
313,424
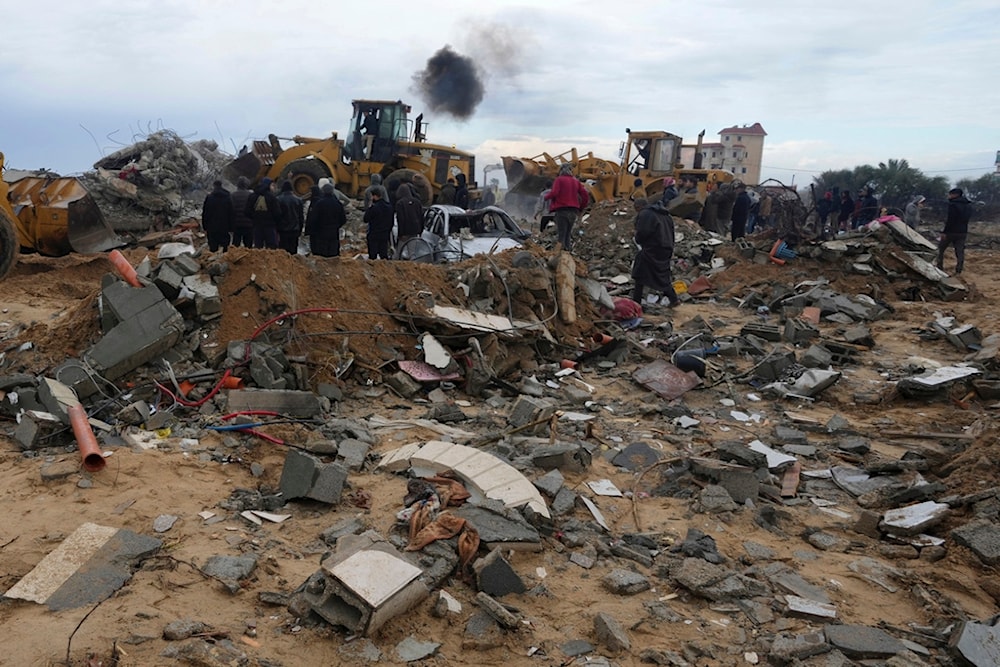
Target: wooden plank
929,436
790,481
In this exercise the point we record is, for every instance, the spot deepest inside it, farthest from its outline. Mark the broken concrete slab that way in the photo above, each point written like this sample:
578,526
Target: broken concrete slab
914,519
87,567
230,570
496,527
611,634
495,576
976,643
626,582
982,537
786,578
806,608
863,642
37,429
306,476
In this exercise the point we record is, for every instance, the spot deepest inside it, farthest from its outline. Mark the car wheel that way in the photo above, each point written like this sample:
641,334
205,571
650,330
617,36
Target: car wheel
416,250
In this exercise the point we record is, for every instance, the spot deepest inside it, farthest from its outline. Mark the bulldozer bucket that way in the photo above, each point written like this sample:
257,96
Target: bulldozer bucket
247,165
56,216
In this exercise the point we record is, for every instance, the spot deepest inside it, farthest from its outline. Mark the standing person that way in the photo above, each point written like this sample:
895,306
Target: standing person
764,209
686,204
292,219
638,190
461,192
376,185
654,234
867,207
669,190
489,197
846,210
242,223
741,211
217,217
379,220
912,213
448,191
326,217
956,229
265,211
823,209
542,213
566,199
727,200
409,217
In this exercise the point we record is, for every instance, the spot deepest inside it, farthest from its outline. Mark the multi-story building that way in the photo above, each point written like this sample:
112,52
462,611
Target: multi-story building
740,151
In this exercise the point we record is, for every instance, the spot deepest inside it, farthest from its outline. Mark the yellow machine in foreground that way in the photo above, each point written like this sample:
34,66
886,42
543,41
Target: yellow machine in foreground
51,215
381,140
649,156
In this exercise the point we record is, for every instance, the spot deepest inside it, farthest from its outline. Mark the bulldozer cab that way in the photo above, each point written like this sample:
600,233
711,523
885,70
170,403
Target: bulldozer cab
649,154
376,128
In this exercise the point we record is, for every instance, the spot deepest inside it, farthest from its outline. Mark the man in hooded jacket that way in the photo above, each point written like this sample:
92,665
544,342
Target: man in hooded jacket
217,217
266,215
378,217
326,217
242,223
654,234
409,217
292,219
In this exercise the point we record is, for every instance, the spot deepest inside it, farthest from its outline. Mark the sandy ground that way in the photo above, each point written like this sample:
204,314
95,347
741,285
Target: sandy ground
43,295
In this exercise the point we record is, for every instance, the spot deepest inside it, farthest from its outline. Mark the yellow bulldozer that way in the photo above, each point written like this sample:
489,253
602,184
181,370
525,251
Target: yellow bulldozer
381,139
649,156
50,215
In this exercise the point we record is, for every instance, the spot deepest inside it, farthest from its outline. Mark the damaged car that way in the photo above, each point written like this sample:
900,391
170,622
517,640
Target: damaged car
452,234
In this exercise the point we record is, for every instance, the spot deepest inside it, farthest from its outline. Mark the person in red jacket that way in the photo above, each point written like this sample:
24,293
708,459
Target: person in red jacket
566,198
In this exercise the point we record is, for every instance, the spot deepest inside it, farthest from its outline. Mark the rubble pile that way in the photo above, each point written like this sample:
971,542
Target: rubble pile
388,462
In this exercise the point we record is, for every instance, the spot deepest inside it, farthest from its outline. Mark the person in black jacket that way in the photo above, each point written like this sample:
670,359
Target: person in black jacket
741,211
868,209
217,217
409,217
290,227
461,192
654,234
242,223
265,215
846,210
956,228
379,220
326,217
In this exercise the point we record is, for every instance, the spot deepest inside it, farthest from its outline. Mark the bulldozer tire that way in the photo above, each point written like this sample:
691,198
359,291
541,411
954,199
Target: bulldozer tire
303,174
421,186
8,244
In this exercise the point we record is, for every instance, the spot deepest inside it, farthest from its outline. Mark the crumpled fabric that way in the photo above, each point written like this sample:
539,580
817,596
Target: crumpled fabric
626,309
445,526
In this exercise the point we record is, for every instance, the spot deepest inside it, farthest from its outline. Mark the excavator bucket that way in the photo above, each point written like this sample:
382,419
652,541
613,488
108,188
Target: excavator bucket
252,163
56,216
526,179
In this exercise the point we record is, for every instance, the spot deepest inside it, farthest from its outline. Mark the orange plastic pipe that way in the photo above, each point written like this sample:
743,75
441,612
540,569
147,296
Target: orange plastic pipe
124,268
93,459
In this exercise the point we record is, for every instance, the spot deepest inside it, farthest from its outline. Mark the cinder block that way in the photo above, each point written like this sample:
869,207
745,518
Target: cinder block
77,377
305,476
528,409
35,430
186,265
168,281
136,341
207,303
125,302
365,590
329,484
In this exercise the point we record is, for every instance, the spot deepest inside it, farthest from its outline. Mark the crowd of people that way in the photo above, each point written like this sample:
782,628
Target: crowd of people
261,218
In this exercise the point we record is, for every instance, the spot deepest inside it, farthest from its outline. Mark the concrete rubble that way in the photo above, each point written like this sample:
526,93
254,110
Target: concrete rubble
515,466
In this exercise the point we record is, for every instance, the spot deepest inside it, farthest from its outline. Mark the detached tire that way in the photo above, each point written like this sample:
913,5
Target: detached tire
303,174
419,184
8,244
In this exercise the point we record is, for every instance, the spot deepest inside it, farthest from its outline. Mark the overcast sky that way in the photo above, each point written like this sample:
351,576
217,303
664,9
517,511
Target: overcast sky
852,82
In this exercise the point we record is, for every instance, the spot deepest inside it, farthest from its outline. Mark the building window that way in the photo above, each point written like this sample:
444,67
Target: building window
727,138
734,153
746,154
733,170
713,154
744,170
739,138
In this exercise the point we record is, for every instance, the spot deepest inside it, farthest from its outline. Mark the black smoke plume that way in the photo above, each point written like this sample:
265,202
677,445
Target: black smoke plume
450,83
